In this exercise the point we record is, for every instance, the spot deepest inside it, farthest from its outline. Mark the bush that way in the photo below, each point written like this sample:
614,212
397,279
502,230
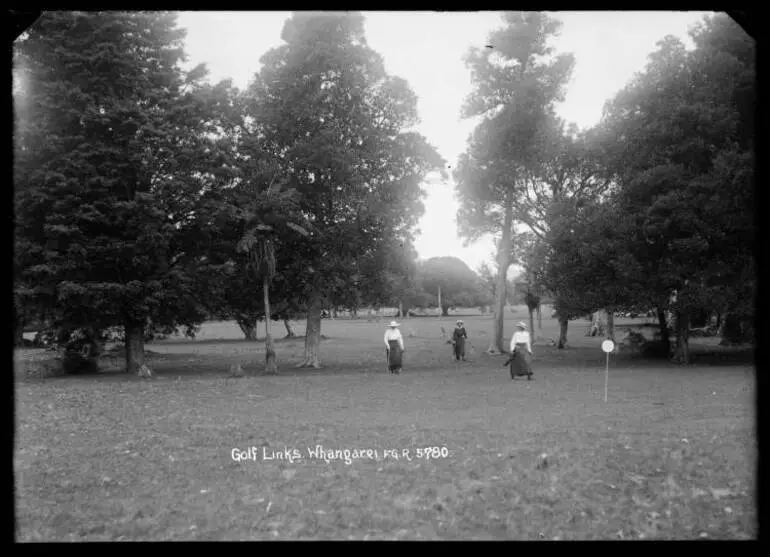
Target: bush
635,339
655,349
74,363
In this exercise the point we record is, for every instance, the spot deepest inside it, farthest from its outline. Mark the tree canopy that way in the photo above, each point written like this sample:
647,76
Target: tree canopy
677,231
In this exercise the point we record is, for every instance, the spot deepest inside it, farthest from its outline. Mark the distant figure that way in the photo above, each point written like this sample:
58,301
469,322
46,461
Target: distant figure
521,353
458,340
395,347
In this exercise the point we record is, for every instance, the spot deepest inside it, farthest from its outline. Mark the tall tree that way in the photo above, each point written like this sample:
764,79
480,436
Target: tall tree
339,125
517,83
277,213
113,158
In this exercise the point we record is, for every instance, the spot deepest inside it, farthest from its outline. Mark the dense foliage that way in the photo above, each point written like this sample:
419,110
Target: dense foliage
677,233
113,162
146,197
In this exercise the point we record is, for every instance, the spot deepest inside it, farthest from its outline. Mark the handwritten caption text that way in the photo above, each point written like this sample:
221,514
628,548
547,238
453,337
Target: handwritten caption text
347,455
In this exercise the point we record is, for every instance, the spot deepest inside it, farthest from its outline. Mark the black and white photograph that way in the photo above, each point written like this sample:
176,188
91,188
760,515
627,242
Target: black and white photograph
384,276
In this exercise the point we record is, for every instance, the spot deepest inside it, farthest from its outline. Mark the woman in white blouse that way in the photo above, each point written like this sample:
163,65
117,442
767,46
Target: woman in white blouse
521,352
394,343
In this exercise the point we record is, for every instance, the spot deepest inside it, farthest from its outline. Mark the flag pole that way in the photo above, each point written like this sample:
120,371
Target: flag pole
607,346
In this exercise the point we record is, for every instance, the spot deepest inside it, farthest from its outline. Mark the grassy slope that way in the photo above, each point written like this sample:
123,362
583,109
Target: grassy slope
115,457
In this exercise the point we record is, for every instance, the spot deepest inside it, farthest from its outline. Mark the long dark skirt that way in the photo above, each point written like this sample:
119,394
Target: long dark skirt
459,348
394,356
521,364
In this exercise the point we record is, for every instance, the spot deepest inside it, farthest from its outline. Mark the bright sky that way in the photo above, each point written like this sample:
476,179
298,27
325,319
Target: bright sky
426,49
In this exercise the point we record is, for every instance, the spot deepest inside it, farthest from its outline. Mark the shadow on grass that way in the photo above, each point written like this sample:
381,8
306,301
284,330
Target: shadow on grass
214,366
170,366
724,357
699,356
226,341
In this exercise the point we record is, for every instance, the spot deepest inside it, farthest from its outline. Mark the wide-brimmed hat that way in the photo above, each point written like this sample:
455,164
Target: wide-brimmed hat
394,324
459,321
521,324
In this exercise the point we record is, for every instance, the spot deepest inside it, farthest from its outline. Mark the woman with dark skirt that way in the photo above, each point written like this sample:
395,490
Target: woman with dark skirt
394,350
458,341
521,353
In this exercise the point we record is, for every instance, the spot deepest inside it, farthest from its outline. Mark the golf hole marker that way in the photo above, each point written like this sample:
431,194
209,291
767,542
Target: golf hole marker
608,346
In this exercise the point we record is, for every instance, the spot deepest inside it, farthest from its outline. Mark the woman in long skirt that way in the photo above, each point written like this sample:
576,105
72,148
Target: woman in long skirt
394,350
521,353
458,341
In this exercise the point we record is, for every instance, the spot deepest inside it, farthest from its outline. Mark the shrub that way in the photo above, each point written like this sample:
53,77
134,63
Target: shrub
634,339
655,349
74,363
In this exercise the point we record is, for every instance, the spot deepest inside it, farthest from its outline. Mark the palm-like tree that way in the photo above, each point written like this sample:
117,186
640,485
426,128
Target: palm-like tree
274,213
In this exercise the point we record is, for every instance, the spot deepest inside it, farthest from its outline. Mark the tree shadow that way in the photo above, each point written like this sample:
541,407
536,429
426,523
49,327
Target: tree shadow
724,357
225,341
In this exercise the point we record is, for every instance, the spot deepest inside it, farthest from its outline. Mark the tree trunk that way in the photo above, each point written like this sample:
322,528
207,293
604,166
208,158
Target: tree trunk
405,309
563,325
440,307
700,318
134,334
249,328
354,313
503,262
532,324
19,323
312,335
611,324
444,310
289,329
665,338
334,313
539,318
271,366
598,324
682,353
95,349
730,329
400,309
96,346
686,348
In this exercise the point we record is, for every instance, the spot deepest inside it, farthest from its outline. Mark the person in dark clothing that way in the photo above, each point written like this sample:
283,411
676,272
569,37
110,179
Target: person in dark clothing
458,341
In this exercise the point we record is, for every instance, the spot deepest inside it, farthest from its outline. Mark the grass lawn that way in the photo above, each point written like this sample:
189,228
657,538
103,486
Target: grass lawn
671,455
